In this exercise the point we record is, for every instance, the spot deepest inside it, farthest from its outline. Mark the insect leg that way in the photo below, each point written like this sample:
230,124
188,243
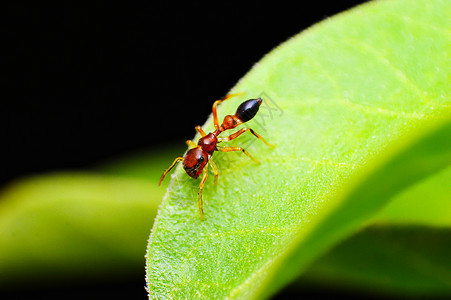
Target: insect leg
215,169
180,158
215,114
200,130
229,149
241,131
199,192
191,144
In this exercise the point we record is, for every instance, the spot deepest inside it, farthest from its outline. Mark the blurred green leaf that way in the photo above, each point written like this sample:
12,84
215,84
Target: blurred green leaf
398,260
404,250
67,225
144,164
74,224
427,203
357,108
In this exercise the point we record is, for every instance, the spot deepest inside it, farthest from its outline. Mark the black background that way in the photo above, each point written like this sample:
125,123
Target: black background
84,83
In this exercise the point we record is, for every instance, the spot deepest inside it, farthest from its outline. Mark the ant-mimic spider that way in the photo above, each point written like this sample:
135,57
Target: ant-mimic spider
199,156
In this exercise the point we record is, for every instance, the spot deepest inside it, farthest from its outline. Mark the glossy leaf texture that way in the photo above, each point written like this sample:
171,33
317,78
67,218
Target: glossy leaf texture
358,107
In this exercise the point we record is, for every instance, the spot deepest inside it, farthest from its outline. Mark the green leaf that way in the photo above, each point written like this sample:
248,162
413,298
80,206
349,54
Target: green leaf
427,203
81,225
78,225
398,260
410,160
403,251
143,164
357,108
65,224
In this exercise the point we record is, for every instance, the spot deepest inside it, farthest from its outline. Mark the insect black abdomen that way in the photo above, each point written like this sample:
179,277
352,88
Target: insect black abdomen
248,109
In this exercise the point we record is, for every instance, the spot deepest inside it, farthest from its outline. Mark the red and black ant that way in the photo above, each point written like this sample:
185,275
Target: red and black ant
197,159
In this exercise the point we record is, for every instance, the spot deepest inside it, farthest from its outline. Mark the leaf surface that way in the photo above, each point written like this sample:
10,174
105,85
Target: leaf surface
351,105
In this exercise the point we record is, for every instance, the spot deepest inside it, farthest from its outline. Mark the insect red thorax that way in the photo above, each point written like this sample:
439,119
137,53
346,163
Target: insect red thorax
199,157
